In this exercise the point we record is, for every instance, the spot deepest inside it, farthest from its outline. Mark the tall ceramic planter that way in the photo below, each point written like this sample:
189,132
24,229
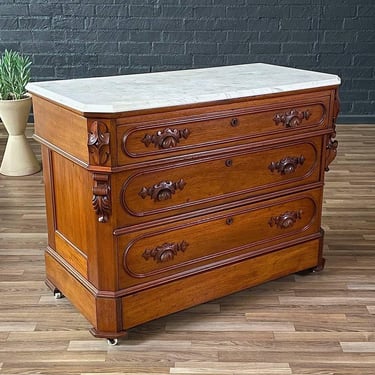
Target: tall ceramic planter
18,159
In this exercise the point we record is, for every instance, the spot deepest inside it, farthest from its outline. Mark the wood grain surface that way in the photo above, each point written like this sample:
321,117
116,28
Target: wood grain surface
321,323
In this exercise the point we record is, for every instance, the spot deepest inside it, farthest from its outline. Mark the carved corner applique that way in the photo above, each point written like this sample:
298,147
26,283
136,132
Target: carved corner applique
101,199
331,150
98,138
332,144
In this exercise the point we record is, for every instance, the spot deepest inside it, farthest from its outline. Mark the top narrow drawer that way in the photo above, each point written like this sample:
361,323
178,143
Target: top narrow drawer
168,137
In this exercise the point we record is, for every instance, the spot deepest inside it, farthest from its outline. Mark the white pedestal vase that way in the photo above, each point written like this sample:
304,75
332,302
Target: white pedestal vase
18,159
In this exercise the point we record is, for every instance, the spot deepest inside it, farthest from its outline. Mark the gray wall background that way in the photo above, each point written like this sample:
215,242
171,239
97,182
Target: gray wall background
72,39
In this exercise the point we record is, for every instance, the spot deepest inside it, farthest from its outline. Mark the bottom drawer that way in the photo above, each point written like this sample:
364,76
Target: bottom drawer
165,299
166,252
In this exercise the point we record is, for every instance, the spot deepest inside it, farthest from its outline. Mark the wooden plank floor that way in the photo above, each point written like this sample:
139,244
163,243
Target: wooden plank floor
316,324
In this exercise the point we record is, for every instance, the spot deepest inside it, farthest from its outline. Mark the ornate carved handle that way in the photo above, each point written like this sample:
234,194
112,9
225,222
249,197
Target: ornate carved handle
287,165
166,138
292,118
285,220
162,191
165,252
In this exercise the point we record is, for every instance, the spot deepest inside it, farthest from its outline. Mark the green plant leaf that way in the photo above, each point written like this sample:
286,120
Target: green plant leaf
14,75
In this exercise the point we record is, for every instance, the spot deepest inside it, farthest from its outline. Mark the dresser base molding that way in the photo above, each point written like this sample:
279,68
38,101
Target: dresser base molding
112,317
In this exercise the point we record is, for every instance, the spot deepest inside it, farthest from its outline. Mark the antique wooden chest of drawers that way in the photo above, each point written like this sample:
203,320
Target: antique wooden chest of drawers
166,190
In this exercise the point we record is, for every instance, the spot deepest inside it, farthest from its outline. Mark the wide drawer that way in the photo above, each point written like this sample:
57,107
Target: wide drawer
178,136
188,186
194,245
180,294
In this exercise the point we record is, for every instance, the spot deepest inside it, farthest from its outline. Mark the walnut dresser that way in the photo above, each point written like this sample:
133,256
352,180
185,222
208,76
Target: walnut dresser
167,190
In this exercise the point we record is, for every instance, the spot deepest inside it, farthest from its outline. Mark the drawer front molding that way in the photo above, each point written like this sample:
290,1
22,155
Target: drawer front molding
178,135
235,232
219,178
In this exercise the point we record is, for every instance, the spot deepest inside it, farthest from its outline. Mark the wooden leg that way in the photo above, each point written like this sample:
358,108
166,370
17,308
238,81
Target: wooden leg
321,261
320,266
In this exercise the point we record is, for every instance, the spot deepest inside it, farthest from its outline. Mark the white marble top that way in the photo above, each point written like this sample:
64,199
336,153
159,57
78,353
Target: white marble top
154,90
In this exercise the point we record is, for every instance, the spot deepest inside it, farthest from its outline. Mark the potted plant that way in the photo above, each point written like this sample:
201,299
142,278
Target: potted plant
15,105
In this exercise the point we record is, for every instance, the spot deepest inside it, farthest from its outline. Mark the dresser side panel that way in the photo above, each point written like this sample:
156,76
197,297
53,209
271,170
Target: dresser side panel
61,128
73,208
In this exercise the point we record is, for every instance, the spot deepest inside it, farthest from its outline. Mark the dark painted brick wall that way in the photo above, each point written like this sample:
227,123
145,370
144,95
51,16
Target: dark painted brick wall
70,39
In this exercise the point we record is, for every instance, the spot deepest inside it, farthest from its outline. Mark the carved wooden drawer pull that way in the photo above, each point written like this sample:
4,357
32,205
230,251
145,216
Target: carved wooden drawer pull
166,138
286,165
292,118
162,191
165,252
285,220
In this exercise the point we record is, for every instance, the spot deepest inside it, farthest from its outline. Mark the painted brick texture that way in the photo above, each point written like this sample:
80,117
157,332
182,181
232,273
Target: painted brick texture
85,38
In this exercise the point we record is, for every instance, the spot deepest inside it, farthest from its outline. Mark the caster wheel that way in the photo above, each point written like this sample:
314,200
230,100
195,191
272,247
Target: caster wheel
112,342
58,295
